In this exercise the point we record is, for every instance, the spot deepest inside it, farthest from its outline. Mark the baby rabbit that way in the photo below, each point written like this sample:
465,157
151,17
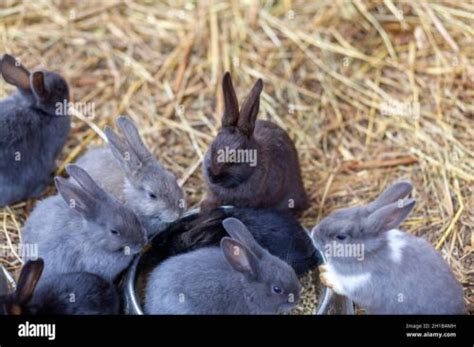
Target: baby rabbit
239,277
64,294
83,229
272,179
33,128
129,171
15,303
380,268
277,231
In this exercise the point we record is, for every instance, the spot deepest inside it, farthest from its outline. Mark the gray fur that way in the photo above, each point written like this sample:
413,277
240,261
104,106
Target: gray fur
73,229
32,130
217,280
407,275
130,172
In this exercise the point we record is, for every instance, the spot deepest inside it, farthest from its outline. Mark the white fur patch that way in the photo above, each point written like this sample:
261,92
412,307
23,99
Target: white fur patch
346,284
396,243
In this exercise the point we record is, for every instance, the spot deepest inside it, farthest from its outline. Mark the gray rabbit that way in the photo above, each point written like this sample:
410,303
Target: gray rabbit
129,171
83,229
239,277
382,269
34,126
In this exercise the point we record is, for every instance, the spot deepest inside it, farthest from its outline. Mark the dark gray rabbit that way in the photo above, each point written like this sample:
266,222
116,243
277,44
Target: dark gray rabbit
77,293
277,231
382,269
34,125
129,171
239,277
252,163
16,303
65,294
84,229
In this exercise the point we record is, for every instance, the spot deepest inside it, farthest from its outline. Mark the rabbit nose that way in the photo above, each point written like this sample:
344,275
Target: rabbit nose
141,242
137,248
213,170
175,215
171,216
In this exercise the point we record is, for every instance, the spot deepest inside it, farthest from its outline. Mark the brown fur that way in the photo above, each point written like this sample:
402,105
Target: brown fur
276,179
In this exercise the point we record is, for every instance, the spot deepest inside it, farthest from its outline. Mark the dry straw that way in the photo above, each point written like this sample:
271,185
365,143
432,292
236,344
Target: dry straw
370,91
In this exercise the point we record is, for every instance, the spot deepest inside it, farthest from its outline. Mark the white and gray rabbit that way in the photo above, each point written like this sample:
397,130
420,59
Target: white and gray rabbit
34,126
129,171
382,269
239,277
83,229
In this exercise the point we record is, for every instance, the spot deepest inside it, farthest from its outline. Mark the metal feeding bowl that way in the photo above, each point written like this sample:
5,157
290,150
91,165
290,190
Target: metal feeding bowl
7,283
134,280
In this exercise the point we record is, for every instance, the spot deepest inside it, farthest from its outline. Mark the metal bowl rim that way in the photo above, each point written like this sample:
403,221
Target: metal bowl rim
130,277
135,307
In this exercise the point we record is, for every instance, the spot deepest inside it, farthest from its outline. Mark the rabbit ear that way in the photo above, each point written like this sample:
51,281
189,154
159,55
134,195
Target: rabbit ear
240,257
130,131
86,182
37,84
14,73
388,217
238,231
249,110
231,104
76,198
121,150
395,192
29,277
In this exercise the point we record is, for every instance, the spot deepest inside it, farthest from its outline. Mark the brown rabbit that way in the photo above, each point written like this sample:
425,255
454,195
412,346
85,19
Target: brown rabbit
252,163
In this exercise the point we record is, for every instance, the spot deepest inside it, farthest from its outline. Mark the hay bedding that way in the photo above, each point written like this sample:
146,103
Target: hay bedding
344,78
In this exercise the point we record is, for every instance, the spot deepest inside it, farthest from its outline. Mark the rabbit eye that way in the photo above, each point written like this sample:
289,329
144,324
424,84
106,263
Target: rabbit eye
114,232
152,196
341,237
277,290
